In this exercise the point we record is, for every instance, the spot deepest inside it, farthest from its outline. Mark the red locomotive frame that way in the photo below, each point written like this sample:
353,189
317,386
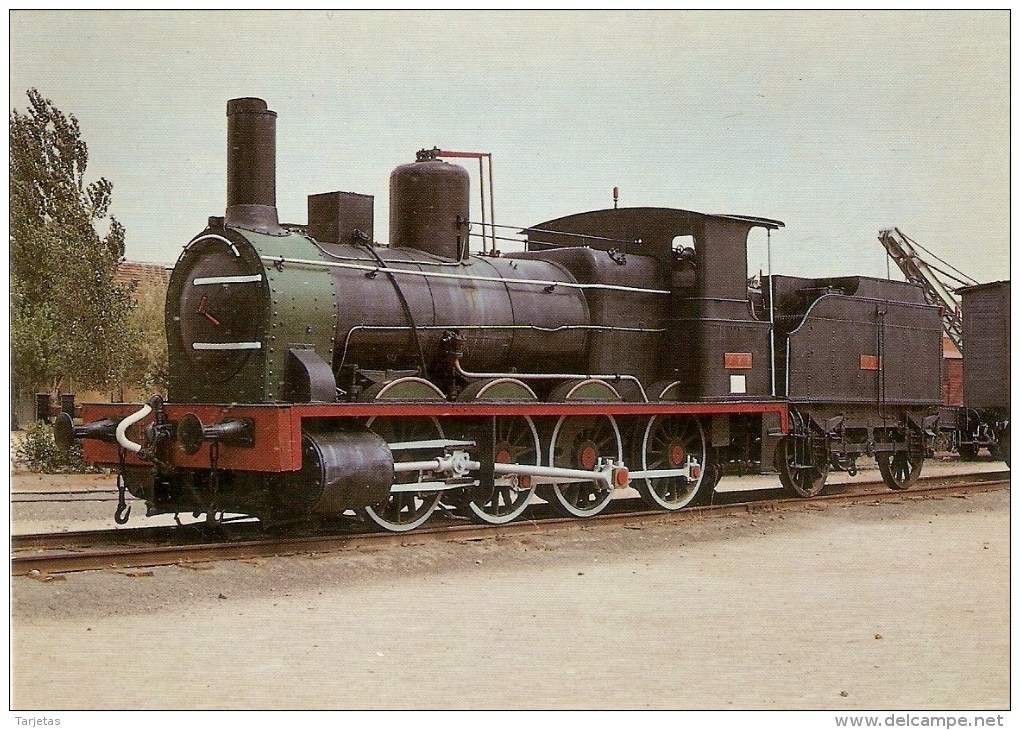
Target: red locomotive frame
278,427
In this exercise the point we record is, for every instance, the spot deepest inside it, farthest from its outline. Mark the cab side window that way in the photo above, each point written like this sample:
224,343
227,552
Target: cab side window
685,262
757,271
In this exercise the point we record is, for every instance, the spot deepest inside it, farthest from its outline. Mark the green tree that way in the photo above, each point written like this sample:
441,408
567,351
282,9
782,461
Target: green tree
147,366
69,317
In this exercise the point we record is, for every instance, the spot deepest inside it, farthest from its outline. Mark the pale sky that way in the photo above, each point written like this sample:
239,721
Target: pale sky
838,124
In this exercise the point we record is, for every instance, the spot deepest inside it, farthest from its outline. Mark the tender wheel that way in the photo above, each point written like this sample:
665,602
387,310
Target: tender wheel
968,452
577,443
899,471
800,479
668,443
515,441
403,511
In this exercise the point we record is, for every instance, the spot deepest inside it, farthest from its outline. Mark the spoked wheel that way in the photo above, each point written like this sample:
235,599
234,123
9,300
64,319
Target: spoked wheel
900,469
403,511
577,443
801,474
514,441
669,442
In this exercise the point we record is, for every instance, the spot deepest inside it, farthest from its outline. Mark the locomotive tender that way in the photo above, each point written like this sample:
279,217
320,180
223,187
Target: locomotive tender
313,371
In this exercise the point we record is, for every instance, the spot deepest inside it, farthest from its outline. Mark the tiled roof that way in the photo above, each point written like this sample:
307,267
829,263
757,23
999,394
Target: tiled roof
139,272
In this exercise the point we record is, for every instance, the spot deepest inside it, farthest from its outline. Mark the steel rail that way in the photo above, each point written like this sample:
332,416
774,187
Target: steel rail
148,556
41,492
82,538
86,538
62,498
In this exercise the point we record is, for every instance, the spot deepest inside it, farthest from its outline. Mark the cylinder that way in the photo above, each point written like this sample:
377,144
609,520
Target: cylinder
429,208
251,166
340,470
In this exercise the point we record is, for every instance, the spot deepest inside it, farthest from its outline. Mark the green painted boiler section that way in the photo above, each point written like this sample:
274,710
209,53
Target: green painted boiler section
299,311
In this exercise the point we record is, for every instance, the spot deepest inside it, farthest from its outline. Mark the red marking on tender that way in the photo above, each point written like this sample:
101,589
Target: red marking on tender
871,362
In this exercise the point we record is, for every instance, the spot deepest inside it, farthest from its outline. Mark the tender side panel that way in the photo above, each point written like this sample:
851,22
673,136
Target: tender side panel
865,351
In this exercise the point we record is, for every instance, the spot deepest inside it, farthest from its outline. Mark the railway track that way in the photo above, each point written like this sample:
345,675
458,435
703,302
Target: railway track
53,496
67,552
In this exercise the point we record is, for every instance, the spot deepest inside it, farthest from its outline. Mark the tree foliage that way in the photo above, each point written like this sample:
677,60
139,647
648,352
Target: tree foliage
37,451
146,365
69,317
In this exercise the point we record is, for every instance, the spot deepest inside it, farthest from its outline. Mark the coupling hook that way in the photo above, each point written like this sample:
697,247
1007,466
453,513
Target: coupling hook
123,512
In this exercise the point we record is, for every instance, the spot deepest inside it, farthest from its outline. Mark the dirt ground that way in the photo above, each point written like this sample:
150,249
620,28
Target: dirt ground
899,604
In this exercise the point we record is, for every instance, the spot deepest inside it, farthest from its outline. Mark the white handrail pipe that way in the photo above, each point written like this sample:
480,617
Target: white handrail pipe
127,423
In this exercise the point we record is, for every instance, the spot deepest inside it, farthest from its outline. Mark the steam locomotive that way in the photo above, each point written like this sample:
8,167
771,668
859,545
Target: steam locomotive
316,372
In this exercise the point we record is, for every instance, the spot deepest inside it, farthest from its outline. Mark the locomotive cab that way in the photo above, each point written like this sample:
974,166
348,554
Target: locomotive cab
715,347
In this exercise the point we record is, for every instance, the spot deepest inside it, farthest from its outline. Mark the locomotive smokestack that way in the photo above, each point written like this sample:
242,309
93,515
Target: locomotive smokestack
251,166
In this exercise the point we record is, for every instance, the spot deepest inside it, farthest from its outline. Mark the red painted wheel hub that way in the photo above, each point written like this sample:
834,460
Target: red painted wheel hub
587,457
676,454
